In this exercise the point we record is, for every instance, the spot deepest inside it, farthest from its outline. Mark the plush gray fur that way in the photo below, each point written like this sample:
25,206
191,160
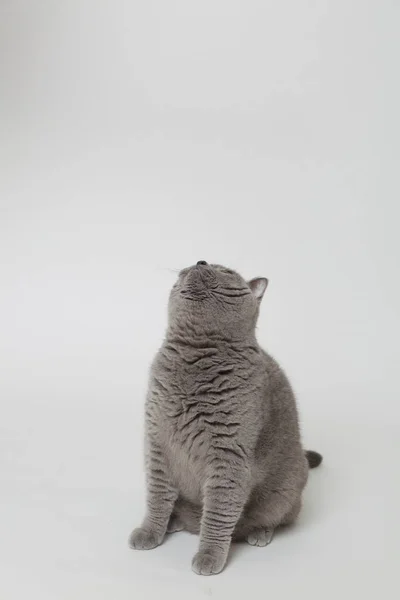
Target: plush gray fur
224,456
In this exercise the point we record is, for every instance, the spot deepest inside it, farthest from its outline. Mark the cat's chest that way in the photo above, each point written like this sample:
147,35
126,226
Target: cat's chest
197,421
197,399
202,400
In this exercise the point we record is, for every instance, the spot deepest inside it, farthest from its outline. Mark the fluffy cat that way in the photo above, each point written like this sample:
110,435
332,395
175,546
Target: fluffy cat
223,452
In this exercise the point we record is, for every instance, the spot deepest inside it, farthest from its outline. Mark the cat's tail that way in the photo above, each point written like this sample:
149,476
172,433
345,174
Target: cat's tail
314,458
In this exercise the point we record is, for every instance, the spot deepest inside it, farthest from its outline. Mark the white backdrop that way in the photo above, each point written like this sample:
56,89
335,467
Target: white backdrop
137,138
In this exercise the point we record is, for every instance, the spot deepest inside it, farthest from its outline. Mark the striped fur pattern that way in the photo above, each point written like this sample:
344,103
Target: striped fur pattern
223,450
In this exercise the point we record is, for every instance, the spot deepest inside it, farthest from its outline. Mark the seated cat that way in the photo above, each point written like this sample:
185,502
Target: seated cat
223,452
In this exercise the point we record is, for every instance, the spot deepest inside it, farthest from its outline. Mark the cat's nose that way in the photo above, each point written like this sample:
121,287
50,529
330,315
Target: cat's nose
202,262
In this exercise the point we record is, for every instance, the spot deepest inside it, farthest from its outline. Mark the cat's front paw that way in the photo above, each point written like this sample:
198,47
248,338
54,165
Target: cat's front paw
207,562
144,539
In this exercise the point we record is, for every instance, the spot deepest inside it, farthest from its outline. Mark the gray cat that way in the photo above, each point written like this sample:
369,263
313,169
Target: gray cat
223,456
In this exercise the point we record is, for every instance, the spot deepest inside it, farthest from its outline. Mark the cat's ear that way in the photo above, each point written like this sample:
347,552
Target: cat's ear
258,287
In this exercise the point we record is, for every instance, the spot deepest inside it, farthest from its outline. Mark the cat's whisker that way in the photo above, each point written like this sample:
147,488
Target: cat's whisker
174,271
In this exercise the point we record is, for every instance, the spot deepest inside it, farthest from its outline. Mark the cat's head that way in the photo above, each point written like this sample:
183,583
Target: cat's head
213,298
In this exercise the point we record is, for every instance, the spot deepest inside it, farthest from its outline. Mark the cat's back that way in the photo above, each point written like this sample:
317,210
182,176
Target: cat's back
280,433
276,377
